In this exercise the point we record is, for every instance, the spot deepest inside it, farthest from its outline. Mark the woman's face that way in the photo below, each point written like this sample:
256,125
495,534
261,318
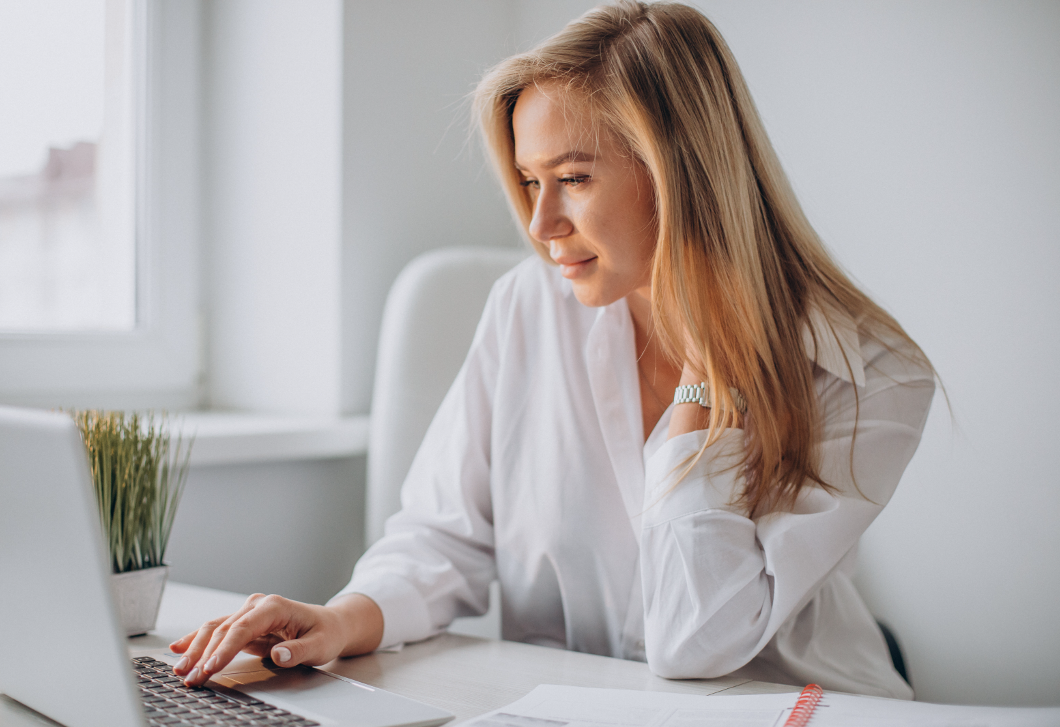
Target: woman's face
593,204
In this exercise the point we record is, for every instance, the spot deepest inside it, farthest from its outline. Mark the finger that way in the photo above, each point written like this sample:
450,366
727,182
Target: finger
256,628
270,614
316,642
311,649
196,670
181,645
263,646
204,665
200,639
192,651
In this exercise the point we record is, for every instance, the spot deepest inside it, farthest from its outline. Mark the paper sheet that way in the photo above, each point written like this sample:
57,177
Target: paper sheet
556,706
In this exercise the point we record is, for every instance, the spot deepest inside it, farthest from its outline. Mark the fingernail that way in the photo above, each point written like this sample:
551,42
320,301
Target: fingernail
181,665
210,664
283,655
192,677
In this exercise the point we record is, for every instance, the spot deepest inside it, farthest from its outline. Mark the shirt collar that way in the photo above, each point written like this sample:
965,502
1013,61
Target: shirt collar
830,337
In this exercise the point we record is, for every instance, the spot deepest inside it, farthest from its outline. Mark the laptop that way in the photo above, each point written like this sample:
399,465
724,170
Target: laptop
64,653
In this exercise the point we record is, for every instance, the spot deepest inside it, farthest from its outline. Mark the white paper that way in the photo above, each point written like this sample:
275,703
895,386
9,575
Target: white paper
556,706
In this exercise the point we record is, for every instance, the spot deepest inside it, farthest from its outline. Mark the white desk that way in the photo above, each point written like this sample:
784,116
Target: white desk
461,674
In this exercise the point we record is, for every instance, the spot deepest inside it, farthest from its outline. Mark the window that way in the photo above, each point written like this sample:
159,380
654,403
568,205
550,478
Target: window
99,225
67,165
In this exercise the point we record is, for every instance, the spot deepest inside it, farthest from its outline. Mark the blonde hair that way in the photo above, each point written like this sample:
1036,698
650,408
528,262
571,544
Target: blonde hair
737,266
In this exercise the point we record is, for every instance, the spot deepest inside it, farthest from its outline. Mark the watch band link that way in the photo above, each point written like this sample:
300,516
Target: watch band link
700,394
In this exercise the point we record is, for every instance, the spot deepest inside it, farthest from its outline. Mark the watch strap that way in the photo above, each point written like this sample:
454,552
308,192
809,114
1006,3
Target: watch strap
701,394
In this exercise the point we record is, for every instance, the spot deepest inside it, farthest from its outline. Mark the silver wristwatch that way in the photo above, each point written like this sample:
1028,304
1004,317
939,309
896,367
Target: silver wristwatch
700,394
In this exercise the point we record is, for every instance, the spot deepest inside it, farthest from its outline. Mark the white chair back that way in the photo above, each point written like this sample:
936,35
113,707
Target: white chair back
430,318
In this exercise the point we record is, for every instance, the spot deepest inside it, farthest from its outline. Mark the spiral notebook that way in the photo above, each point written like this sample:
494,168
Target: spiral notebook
805,706
555,706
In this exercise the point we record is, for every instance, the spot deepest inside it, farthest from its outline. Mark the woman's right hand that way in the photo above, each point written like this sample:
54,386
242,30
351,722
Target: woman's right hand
289,632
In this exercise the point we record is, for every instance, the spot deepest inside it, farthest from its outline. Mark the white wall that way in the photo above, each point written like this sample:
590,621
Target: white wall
272,185
292,305
271,194
924,141
295,528
412,179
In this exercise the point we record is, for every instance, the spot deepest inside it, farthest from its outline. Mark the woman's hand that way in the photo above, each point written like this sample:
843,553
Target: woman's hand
288,632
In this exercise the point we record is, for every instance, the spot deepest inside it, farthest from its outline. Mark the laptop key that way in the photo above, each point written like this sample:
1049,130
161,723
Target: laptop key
169,703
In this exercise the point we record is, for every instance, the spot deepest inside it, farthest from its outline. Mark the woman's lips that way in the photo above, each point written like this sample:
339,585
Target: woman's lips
572,267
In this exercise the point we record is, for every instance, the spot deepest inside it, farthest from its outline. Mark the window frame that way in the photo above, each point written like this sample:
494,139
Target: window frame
159,363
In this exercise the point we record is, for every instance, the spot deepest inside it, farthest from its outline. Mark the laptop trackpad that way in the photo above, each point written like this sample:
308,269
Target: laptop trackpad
329,699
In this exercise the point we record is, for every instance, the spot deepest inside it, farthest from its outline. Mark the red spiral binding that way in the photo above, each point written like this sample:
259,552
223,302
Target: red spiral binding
800,715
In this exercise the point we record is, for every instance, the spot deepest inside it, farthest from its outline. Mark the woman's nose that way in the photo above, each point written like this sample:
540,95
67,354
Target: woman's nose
549,220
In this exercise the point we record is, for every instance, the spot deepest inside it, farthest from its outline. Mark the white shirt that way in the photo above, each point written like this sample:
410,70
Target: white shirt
535,472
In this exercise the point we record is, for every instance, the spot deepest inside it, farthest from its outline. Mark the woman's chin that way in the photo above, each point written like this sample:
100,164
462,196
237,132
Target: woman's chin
593,296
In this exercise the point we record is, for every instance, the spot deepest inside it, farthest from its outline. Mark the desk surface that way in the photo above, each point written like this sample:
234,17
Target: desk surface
461,674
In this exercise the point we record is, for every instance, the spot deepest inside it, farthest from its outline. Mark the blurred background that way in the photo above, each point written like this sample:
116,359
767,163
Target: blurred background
203,206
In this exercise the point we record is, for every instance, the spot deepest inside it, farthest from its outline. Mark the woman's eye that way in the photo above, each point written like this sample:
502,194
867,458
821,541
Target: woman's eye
572,181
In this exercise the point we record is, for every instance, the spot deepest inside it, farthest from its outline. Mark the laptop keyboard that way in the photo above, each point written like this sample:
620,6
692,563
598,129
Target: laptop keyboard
167,701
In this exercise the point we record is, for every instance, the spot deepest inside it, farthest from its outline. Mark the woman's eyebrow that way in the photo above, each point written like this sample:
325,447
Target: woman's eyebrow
565,158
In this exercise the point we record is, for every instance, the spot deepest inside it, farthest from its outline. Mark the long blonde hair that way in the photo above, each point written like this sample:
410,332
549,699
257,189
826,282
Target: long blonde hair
737,267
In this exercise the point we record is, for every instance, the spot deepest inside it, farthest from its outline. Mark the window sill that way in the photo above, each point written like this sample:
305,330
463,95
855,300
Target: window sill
229,438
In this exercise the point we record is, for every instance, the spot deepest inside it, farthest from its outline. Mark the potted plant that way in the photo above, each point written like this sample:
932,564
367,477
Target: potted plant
138,475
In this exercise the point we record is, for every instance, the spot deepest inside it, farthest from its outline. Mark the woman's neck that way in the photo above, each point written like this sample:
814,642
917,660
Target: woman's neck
658,376
639,303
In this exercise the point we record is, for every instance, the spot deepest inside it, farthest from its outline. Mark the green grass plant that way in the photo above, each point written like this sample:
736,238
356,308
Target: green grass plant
139,475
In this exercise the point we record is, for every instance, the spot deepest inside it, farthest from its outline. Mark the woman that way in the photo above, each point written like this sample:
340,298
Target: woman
706,536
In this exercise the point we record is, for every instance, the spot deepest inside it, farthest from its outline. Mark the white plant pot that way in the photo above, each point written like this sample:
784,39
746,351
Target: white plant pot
138,594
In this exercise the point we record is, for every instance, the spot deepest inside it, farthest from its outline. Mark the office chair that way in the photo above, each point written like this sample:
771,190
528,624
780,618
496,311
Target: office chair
896,651
429,320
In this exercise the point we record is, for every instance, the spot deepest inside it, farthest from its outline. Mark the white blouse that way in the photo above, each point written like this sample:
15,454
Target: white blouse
535,472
